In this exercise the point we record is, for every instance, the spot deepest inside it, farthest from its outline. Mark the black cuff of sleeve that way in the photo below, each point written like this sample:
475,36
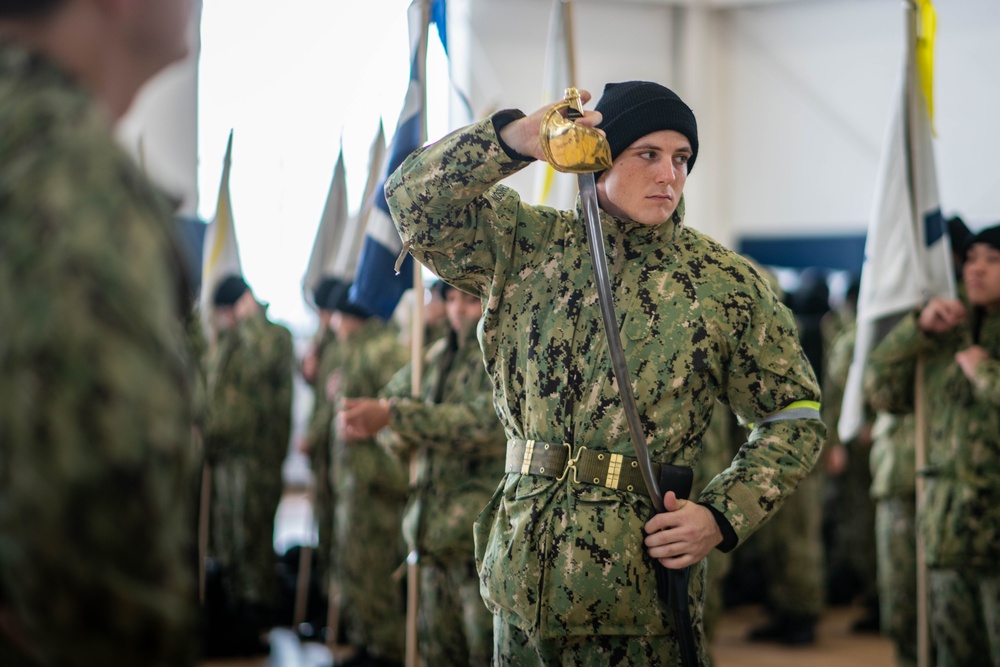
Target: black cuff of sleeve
729,537
500,120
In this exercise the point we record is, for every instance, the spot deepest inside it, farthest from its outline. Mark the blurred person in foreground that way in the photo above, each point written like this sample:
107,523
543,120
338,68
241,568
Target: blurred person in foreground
95,377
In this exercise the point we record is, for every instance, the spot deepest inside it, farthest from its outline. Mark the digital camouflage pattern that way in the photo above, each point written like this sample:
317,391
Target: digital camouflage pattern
959,518
459,448
850,507
893,465
965,618
369,487
719,444
896,548
893,489
791,545
318,434
248,425
95,418
699,324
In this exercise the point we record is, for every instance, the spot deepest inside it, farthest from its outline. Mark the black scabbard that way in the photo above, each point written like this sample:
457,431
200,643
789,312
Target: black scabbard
672,585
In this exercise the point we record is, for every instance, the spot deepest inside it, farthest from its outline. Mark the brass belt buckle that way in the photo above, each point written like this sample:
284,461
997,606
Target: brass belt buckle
571,463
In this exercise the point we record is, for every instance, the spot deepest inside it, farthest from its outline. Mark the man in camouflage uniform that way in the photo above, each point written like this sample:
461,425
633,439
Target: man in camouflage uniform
959,514
459,445
318,364
560,548
369,488
247,428
95,420
893,489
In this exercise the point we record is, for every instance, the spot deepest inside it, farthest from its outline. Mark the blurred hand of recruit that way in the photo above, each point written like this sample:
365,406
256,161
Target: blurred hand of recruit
941,315
362,418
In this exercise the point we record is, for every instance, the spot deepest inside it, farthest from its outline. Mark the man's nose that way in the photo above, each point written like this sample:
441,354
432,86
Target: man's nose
666,173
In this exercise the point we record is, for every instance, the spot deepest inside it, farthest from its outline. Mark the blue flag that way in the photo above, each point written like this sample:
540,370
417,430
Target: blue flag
377,287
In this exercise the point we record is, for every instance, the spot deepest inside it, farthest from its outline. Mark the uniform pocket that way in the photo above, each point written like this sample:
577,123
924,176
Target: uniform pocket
510,547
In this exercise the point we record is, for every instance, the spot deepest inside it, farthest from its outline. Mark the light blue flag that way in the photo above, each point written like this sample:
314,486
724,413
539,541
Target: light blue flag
377,287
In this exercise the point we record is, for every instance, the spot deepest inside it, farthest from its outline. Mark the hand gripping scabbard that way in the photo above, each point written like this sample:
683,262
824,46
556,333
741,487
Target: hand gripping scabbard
672,585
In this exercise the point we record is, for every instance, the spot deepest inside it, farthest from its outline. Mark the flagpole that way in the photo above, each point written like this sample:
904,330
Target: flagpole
416,379
570,43
412,656
920,440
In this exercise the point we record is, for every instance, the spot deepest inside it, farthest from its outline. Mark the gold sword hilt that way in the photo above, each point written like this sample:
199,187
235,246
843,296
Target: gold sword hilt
568,146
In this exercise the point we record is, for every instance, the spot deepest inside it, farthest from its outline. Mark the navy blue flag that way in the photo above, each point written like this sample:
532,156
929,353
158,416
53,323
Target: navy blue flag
377,287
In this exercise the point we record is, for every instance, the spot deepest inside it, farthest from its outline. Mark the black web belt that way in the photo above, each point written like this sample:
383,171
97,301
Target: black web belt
587,466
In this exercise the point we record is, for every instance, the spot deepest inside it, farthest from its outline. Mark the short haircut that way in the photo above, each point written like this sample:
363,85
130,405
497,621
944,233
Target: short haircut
13,8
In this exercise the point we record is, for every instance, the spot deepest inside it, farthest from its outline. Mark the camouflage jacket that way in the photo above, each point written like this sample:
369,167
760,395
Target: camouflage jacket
367,361
698,323
95,419
459,443
318,431
249,378
960,513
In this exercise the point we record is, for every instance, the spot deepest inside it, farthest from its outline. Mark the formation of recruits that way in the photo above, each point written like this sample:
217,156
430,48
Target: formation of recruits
510,472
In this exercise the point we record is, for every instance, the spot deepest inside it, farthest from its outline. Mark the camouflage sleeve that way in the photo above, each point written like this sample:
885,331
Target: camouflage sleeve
987,381
449,209
838,364
383,359
769,379
891,367
401,383
279,357
451,427
253,391
224,401
95,434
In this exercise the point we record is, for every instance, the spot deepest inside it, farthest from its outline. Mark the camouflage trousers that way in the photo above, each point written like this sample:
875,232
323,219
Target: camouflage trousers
851,519
965,618
243,506
456,628
791,545
367,549
896,544
513,647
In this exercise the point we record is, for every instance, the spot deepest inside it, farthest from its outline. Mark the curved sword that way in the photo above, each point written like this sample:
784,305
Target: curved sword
672,585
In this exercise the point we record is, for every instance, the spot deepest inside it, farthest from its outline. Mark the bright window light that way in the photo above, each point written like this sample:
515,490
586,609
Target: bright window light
292,80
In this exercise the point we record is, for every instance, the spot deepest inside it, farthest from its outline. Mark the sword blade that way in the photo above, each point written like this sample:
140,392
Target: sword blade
605,297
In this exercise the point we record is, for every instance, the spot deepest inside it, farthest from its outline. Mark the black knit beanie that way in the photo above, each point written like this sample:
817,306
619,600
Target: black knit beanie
990,236
229,291
633,109
343,303
326,286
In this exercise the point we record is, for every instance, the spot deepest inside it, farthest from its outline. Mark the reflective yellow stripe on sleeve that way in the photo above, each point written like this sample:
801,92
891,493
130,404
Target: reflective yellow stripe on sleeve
796,410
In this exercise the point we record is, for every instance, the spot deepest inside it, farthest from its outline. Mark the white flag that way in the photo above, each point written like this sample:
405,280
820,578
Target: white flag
552,188
333,224
221,253
907,250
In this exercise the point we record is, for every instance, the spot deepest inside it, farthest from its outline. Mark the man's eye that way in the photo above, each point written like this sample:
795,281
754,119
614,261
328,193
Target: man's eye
682,159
